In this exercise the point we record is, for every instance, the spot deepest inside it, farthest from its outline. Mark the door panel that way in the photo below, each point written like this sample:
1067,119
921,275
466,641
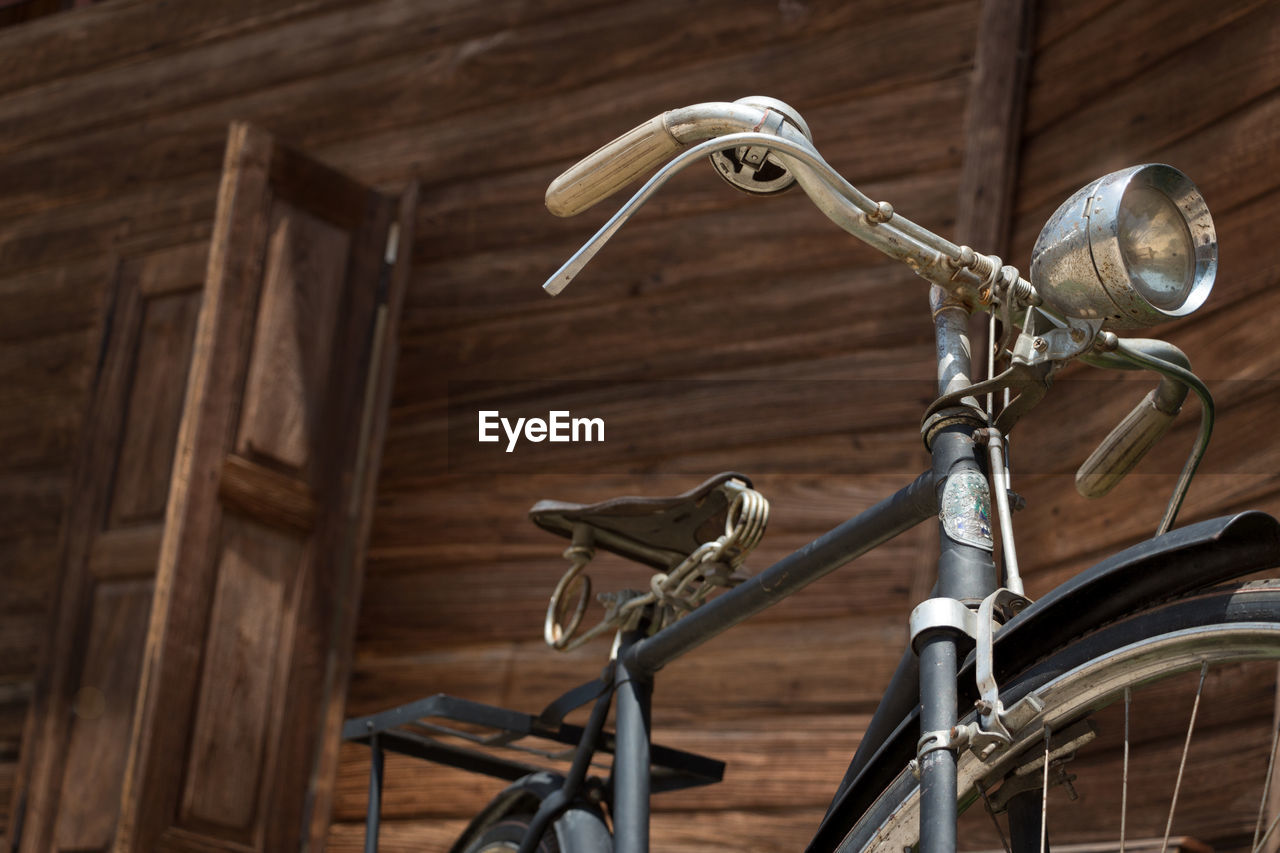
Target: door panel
86,697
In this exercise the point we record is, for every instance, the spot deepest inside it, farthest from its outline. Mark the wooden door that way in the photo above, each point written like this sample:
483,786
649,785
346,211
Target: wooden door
244,674
84,705
200,668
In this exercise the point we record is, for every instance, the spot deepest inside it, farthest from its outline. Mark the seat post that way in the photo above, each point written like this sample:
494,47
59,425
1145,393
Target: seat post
631,758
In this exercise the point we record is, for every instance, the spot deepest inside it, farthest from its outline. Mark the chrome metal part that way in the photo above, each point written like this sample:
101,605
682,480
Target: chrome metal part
1136,355
556,631
1027,776
1134,248
733,125
1029,383
1182,763
750,167
1068,697
999,466
949,739
1066,338
992,731
936,420
951,342
942,613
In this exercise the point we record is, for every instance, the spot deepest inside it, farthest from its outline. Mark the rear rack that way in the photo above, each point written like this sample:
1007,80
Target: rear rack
416,730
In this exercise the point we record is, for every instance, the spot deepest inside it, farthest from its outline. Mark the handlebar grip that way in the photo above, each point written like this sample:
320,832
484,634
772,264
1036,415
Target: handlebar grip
1120,451
611,167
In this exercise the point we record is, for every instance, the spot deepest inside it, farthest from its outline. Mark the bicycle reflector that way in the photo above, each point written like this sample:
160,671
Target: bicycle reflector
1134,248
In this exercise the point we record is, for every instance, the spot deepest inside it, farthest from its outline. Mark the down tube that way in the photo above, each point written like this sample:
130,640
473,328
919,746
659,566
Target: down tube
878,524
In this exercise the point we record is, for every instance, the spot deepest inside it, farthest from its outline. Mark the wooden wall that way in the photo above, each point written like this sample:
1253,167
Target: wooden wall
1204,99
718,332
752,335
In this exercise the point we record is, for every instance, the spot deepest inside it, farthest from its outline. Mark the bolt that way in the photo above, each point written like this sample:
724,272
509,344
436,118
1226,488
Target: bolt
983,706
1077,335
1040,344
882,213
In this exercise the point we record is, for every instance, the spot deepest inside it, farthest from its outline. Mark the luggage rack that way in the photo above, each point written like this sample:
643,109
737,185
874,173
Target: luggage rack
416,730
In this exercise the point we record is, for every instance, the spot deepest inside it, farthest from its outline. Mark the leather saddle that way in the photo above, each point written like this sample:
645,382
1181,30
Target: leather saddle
658,532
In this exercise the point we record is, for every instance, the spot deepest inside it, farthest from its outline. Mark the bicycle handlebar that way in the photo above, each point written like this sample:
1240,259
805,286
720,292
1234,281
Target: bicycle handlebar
1121,450
611,167
1126,444
614,165
957,269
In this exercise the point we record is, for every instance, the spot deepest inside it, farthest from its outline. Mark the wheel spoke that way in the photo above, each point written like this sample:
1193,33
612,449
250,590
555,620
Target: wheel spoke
1266,786
1267,834
1182,765
1044,795
1004,842
1124,776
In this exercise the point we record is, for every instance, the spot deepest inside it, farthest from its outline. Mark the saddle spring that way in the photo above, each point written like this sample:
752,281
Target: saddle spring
673,593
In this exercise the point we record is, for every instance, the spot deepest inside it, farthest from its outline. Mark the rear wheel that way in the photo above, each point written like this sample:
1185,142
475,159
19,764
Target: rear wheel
506,835
1172,715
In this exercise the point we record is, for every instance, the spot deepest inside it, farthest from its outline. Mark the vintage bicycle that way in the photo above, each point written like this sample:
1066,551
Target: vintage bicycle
997,693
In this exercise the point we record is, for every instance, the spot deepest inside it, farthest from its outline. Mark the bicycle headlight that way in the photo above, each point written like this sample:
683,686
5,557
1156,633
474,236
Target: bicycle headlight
1134,248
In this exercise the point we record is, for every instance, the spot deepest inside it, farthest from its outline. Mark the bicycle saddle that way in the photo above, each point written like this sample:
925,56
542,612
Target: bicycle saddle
659,532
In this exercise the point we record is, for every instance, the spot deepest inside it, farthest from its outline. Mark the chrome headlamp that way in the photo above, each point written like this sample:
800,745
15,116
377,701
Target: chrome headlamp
1134,248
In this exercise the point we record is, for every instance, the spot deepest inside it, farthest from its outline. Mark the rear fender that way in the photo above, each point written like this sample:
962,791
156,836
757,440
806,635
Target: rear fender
581,829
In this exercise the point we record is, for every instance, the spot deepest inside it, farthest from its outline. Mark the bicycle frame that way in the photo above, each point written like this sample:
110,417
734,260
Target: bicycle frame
1189,558
966,573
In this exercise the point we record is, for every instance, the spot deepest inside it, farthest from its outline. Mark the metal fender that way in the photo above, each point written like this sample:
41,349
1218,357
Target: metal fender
1181,561
581,829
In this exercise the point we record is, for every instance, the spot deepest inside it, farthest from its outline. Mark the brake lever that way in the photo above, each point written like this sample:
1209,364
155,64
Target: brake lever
1028,384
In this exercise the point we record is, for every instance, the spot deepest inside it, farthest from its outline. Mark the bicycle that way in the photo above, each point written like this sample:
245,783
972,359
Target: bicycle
997,693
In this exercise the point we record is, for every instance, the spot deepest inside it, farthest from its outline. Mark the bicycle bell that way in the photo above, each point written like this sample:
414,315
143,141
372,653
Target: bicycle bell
1134,248
751,167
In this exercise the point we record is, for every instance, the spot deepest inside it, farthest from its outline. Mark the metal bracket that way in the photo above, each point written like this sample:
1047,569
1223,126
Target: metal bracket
1068,337
745,166
1027,384
942,613
950,739
1025,777
992,731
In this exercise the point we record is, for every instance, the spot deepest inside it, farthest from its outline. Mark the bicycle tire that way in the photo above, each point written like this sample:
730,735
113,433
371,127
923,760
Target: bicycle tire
506,835
1229,625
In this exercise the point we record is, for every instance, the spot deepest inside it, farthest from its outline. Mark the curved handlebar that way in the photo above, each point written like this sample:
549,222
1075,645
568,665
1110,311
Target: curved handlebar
611,167
1125,445
614,165
959,271
1121,450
